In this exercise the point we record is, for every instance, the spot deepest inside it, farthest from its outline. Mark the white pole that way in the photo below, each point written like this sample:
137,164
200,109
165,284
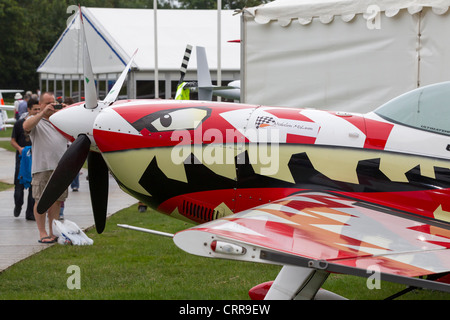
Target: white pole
155,27
219,44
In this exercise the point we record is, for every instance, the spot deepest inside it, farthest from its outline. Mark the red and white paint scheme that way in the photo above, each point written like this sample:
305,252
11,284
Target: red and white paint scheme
317,192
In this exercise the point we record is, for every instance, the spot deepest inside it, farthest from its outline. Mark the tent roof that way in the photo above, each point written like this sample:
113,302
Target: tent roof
284,11
113,35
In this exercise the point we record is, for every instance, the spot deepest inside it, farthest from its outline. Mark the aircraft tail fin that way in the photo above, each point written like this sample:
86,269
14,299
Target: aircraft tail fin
205,87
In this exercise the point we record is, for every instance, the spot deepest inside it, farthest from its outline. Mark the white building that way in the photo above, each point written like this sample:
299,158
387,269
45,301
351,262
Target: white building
113,35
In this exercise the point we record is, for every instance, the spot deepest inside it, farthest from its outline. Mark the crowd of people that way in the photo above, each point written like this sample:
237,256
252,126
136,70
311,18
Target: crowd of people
39,148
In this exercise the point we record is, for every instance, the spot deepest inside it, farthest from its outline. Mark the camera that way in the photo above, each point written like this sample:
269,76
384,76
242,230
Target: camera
57,106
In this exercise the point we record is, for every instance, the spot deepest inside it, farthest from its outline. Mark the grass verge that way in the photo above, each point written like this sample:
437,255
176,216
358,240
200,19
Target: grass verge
124,264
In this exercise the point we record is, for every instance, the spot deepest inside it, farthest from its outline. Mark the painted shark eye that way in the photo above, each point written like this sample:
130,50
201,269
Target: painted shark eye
166,120
181,119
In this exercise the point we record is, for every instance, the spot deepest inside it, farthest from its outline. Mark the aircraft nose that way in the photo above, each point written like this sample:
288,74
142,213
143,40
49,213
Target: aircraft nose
112,132
73,121
111,121
120,128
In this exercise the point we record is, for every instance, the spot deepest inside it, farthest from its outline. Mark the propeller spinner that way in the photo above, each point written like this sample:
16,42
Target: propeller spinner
77,122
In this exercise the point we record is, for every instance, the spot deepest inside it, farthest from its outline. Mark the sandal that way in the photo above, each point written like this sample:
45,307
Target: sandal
49,240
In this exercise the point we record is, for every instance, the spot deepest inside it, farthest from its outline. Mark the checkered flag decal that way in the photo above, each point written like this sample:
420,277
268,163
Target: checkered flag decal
264,120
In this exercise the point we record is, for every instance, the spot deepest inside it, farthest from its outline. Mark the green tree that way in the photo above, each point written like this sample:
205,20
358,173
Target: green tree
15,54
29,29
226,4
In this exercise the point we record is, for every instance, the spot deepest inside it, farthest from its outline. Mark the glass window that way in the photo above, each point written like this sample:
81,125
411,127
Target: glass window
426,108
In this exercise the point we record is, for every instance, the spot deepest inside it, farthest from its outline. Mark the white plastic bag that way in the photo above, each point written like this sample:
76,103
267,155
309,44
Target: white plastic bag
69,233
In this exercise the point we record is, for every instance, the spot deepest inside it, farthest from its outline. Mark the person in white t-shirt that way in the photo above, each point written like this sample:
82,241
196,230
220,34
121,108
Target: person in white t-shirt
48,146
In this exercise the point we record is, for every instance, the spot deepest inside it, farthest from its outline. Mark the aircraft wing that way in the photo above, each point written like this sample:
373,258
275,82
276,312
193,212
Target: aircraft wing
6,107
328,232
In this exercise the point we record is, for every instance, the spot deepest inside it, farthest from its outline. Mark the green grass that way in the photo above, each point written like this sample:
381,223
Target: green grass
6,133
6,144
125,264
5,186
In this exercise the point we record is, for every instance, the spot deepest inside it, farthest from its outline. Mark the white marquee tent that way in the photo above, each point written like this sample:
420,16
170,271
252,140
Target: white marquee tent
113,35
348,55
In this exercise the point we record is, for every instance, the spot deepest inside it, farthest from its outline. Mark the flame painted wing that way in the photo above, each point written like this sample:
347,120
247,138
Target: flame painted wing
328,232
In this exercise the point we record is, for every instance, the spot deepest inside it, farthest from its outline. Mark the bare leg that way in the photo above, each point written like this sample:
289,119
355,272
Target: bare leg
40,221
53,213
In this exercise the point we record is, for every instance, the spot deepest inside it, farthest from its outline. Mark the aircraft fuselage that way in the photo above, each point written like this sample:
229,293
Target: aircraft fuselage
203,160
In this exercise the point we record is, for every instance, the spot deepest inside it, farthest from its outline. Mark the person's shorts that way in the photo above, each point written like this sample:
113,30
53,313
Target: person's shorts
39,181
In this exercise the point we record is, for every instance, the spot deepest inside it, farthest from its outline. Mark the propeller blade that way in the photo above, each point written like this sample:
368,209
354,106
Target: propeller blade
99,187
89,80
115,90
185,62
68,167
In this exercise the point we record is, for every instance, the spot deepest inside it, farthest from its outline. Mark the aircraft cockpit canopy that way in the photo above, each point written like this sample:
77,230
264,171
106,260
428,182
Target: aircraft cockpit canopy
426,108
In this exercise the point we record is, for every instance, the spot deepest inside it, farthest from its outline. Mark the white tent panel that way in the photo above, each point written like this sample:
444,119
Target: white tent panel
285,11
66,57
107,56
435,48
326,54
61,58
176,28
114,34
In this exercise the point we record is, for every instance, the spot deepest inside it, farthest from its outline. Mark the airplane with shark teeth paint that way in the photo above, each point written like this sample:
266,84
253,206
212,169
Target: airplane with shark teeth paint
316,192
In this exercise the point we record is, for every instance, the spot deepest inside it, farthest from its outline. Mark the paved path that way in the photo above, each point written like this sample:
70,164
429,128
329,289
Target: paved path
19,237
